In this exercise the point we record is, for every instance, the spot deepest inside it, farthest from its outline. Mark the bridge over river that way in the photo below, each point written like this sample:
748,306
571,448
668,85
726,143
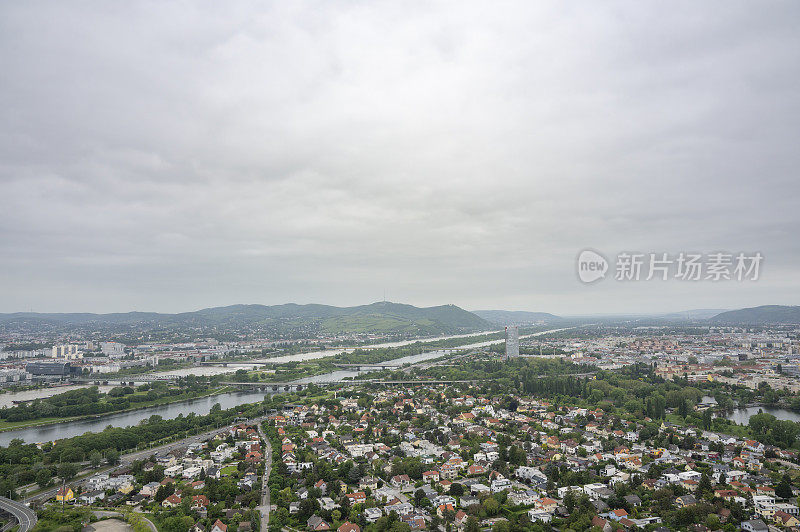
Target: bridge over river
295,386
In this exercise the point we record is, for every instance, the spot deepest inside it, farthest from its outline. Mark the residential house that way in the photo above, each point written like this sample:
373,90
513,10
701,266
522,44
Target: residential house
65,494
172,501
349,527
315,522
754,525
219,526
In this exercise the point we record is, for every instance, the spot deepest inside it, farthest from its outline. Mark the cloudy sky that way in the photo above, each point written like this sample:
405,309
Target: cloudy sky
176,155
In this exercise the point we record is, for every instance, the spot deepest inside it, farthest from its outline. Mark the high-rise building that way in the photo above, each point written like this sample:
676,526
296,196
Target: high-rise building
67,351
112,349
512,341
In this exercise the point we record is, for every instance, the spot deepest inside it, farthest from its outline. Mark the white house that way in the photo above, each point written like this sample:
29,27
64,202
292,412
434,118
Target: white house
192,472
539,515
500,484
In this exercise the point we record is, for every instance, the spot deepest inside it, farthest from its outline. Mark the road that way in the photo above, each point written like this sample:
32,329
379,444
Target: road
265,503
24,515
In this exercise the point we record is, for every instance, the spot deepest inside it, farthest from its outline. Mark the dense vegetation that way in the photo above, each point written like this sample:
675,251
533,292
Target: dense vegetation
635,392
22,464
63,519
89,401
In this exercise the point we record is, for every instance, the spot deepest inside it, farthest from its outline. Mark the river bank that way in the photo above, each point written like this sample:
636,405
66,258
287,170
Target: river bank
6,426
198,406
10,398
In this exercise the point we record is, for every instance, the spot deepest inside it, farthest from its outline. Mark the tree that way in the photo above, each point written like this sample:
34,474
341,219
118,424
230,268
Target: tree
501,526
112,456
659,405
705,484
308,507
177,523
707,419
95,458
281,516
517,456
43,477
784,487
569,501
164,492
67,471
491,506
683,408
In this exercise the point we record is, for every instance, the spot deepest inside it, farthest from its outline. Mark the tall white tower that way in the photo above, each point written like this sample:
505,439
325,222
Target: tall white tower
512,341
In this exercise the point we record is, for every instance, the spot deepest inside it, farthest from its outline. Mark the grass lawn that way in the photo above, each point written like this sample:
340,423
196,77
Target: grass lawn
228,470
675,419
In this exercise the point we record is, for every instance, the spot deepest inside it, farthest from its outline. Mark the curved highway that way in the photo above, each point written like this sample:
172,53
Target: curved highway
24,515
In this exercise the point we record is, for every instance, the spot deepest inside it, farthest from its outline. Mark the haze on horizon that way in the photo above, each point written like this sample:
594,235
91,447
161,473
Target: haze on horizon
174,156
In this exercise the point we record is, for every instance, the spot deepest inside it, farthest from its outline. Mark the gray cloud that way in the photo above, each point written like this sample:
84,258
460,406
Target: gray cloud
170,156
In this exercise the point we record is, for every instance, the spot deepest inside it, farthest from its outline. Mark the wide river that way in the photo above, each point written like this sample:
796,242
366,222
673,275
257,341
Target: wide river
207,371
7,399
742,415
202,406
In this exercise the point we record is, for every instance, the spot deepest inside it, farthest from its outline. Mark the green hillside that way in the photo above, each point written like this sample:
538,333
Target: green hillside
302,320
767,314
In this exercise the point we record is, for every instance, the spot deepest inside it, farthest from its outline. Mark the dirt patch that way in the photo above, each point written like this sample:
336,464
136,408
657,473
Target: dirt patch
109,525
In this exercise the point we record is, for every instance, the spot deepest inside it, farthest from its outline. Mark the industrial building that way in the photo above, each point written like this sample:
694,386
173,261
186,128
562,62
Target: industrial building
51,370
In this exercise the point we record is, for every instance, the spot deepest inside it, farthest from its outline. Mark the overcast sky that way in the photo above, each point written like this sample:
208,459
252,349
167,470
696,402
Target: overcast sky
171,156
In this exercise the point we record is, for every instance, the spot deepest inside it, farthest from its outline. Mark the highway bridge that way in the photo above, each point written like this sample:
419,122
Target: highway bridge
296,387
278,386
361,367
432,348
125,381
26,518
243,363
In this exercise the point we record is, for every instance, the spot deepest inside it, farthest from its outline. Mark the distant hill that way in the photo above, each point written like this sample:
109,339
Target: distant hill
516,317
381,317
767,314
695,314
